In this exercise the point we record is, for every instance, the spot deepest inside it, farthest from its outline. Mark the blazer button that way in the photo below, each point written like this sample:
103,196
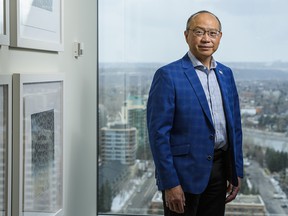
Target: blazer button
211,136
209,157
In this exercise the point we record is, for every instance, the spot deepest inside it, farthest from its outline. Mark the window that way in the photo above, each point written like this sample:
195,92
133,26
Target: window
138,36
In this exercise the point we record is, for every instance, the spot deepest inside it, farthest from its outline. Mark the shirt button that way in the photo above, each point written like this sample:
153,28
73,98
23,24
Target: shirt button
209,157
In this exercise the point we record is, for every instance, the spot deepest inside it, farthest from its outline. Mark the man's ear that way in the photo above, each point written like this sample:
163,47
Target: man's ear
220,35
186,35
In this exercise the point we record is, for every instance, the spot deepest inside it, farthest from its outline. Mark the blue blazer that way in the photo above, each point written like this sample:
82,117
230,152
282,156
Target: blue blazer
180,127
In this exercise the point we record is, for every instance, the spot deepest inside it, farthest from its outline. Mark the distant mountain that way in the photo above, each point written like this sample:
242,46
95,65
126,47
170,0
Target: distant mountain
260,74
259,70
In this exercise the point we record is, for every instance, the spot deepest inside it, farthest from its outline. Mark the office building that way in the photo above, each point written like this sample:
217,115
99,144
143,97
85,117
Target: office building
118,143
246,205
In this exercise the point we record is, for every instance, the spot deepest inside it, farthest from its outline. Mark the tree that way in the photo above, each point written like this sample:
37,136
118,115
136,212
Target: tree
105,197
276,161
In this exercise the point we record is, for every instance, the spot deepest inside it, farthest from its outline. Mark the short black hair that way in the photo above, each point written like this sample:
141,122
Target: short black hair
200,12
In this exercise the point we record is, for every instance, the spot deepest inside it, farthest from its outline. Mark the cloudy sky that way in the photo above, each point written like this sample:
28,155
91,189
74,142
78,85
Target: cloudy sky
152,30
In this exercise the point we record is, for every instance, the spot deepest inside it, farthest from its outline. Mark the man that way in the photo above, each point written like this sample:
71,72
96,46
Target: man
194,126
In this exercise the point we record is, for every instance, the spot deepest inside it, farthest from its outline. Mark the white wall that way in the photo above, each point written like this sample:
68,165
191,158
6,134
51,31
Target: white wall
80,22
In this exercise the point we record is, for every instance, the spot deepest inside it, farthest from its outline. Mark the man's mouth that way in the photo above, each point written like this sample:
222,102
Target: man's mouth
205,47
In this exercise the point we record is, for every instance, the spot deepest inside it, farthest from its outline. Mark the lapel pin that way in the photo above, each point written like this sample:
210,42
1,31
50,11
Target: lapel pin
220,72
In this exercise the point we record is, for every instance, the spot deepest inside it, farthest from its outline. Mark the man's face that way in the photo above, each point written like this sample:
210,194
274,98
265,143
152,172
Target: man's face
203,46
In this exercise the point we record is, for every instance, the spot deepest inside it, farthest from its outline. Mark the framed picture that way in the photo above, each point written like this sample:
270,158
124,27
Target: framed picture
5,144
38,145
4,22
37,24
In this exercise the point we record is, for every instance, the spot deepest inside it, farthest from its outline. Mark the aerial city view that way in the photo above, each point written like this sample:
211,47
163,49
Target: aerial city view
126,182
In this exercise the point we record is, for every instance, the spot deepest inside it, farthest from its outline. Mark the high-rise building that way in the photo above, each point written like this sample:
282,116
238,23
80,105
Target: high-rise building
102,116
134,111
118,143
156,205
246,205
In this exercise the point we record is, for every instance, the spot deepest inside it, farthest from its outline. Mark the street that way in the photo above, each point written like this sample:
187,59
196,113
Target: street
261,181
139,202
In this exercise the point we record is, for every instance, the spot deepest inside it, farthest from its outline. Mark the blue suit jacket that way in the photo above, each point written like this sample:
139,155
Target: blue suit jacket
181,132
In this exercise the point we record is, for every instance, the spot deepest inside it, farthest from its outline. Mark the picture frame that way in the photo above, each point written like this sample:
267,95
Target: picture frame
37,24
38,143
5,144
4,22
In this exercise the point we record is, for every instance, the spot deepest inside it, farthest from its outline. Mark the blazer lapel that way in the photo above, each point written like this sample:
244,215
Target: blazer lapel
196,85
222,84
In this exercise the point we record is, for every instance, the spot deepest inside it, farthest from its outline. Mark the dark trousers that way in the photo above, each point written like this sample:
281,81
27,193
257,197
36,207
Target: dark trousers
212,201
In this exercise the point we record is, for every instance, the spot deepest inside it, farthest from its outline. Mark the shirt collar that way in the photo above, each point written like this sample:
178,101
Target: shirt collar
197,64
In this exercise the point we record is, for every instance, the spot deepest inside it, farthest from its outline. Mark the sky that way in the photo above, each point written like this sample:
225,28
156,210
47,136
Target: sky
153,30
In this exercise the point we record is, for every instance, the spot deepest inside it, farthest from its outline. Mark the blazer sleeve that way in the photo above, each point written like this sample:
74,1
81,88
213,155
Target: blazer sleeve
160,115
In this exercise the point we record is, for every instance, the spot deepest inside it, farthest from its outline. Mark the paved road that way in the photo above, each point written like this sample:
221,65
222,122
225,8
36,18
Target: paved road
140,201
266,189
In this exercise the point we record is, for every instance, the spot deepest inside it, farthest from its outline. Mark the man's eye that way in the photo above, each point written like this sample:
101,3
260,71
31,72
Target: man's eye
198,32
213,33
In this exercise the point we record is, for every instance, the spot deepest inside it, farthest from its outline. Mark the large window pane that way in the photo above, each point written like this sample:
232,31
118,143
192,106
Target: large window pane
137,37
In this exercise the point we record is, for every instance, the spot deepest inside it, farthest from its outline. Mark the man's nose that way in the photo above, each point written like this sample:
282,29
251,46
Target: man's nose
206,37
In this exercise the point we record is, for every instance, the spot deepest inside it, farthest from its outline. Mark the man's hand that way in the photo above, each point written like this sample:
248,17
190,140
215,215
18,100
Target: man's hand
232,191
175,199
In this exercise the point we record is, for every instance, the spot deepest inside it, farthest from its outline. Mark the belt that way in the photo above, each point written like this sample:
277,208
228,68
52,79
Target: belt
218,154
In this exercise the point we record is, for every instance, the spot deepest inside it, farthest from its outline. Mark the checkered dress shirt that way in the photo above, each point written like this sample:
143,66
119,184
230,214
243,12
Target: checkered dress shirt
212,91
